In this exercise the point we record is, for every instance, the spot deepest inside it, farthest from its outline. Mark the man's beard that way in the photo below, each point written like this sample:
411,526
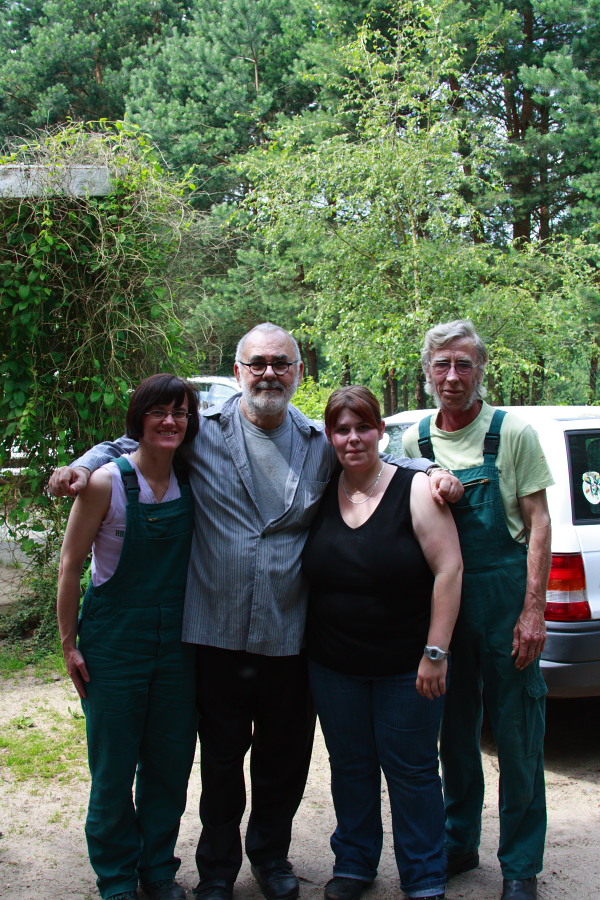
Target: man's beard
469,400
271,401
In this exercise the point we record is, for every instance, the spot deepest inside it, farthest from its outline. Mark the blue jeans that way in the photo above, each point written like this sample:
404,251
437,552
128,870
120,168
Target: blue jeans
374,724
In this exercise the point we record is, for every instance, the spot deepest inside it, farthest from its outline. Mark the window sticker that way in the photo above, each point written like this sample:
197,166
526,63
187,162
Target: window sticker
591,487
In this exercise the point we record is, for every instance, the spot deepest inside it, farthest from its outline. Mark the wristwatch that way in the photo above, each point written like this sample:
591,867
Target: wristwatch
434,467
436,653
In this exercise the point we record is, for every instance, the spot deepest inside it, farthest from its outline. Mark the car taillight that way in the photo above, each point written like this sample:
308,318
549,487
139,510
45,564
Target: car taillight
566,597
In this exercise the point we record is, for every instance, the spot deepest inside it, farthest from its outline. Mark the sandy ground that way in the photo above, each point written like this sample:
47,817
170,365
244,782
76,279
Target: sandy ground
43,854
42,845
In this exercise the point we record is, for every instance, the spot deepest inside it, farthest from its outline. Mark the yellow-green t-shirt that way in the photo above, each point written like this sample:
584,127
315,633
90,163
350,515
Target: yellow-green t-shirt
521,462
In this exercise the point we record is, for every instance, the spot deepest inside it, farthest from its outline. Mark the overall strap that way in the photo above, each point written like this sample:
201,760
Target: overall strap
129,478
491,443
425,444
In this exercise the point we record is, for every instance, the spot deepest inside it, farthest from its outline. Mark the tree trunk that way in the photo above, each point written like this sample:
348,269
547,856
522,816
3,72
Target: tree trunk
538,382
593,373
312,361
393,393
387,394
346,374
423,399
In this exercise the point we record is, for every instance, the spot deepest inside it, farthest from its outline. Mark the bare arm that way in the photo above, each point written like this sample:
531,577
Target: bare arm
529,638
68,481
436,533
85,519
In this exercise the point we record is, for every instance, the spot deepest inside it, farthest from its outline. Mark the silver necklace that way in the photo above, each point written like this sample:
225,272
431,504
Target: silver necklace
373,485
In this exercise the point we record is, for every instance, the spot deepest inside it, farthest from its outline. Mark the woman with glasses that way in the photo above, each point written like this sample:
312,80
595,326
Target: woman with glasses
384,570
124,653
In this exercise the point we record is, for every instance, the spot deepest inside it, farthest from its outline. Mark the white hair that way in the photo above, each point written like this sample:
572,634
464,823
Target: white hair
265,327
440,336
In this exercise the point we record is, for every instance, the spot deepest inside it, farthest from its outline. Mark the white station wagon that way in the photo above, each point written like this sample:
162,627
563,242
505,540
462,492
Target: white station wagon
570,437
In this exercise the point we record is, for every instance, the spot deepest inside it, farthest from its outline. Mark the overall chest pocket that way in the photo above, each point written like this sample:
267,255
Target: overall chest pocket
475,518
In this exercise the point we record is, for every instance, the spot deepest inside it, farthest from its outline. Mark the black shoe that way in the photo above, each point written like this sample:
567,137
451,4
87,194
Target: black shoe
519,889
276,880
340,888
167,889
213,889
126,895
461,862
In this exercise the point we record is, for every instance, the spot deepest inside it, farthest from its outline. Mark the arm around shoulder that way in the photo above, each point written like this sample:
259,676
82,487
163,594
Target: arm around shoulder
69,481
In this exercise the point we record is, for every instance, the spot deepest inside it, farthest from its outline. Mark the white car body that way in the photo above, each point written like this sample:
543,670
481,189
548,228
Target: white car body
570,437
214,390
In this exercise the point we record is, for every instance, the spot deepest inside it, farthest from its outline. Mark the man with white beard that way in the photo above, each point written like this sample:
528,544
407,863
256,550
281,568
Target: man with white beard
257,471
504,529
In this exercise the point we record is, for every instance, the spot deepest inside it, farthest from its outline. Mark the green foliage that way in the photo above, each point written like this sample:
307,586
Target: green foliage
208,92
85,314
31,623
311,398
61,60
372,216
84,311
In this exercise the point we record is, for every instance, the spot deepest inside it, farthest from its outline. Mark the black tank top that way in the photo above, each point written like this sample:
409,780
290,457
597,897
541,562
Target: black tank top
370,587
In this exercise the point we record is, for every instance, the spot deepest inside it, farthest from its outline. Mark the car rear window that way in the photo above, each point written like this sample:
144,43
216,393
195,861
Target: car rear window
583,448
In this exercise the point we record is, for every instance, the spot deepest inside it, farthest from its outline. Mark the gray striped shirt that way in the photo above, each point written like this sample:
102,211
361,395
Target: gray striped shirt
245,589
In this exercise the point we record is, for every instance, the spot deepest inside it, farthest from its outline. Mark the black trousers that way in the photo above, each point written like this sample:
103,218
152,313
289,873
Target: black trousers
263,703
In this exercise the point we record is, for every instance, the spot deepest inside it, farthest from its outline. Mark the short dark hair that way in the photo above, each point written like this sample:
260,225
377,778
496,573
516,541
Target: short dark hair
160,390
359,400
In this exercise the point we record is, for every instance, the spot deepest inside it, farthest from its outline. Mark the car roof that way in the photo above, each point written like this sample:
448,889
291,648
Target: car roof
214,379
530,413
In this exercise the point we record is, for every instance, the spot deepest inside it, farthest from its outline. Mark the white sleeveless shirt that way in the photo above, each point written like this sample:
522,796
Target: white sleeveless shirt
106,550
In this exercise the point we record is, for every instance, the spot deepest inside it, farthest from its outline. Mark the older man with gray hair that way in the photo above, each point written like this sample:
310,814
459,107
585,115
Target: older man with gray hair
504,530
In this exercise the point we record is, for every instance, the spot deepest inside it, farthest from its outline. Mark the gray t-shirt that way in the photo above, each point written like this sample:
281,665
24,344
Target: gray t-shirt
269,454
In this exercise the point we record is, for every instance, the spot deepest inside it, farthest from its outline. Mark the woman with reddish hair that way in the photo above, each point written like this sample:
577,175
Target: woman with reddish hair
384,567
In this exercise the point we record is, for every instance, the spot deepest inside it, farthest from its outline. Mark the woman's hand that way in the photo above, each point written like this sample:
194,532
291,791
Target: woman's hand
431,677
77,670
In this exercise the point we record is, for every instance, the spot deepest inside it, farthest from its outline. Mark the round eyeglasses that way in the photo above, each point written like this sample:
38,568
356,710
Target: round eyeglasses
260,366
163,413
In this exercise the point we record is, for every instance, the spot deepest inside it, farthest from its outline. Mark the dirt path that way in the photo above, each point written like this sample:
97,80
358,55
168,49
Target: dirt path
42,846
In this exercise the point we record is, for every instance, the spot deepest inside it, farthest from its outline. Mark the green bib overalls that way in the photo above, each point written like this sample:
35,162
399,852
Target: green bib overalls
494,583
140,707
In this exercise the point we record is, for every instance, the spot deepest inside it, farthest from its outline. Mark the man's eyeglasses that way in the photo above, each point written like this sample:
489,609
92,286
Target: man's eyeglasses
462,367
163,413
260,366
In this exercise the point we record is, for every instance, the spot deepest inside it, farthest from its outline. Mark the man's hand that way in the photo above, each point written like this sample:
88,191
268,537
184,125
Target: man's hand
529,637
68,482
445,487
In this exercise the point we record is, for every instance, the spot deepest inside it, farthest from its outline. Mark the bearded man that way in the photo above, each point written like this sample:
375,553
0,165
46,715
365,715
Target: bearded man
504,529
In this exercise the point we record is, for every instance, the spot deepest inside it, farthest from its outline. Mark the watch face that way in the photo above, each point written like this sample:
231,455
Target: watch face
435,653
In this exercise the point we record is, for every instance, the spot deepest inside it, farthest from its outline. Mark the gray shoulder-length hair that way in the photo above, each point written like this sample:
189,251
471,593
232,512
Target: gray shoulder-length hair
440,336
